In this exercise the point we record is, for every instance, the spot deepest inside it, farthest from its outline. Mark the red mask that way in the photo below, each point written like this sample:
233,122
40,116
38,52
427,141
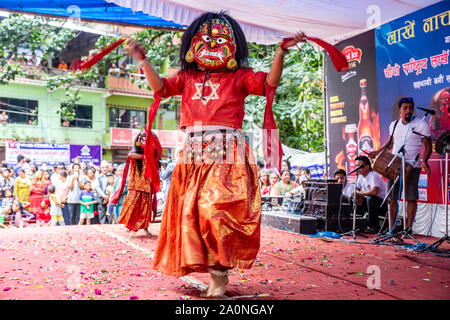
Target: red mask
216,50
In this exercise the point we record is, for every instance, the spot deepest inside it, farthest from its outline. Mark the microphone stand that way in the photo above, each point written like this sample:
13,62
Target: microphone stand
354,231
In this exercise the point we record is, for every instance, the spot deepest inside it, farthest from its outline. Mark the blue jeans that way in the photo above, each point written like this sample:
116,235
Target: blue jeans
66,214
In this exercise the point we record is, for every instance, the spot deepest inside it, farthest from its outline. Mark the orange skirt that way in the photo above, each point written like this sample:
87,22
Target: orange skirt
137,210
212,215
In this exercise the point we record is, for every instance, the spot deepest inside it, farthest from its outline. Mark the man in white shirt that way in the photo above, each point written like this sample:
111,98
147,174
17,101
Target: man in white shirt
411,132
347,188
370,191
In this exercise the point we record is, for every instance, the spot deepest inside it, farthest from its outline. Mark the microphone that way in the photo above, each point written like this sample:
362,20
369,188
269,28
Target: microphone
430,111
356,169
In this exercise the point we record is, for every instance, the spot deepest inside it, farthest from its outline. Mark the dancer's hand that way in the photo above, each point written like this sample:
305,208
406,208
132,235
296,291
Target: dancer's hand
298,37
136,50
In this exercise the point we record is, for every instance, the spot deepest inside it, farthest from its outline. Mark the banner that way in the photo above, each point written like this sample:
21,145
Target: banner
167,138
52,153
87,154
405,57
412,60
352,103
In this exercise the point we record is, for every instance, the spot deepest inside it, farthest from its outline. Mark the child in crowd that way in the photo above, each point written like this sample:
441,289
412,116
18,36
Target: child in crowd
55,208
109,192
6,207
43,213
86,200
19,215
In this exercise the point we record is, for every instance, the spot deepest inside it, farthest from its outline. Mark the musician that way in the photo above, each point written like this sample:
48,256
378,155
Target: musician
402,132
370,192
347,188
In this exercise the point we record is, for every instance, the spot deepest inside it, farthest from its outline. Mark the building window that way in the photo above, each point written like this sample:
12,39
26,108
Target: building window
20,110
126,118
83,117
167,120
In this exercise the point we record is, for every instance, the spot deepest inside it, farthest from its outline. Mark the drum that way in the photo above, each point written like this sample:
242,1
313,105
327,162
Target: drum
382,162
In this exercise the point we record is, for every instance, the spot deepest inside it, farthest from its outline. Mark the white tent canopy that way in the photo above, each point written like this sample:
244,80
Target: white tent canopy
268,21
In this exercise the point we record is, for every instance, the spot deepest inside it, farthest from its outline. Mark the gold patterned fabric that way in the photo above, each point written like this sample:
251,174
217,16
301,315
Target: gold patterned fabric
138,208
213,211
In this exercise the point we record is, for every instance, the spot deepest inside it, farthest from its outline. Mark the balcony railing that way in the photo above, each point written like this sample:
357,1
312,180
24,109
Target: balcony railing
127,84
44,73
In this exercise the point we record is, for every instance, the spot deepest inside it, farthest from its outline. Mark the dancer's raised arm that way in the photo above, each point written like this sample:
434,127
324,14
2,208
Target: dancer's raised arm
138,52
274,76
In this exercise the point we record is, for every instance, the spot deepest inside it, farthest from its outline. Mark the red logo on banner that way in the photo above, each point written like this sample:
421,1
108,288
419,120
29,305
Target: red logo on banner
121,137
352,54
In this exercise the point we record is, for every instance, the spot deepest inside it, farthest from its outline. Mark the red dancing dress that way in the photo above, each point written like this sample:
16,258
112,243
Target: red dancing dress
213,210
139,207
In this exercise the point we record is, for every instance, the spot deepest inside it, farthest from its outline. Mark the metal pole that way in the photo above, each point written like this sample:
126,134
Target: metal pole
404,191
325,121
446,192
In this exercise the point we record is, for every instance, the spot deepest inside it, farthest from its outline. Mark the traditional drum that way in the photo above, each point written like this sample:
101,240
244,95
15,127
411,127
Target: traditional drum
382,162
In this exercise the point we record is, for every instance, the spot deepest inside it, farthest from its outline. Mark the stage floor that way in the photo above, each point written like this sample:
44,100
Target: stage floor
103,262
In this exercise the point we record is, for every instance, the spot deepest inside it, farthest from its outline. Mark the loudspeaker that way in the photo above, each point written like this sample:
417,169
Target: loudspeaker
293,223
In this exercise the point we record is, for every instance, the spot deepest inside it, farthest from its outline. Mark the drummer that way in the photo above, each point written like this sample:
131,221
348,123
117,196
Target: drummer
404,131
370,192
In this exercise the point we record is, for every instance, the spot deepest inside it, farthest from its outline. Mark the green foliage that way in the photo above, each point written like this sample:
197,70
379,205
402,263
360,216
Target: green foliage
9,71
33,33
298,105
30,32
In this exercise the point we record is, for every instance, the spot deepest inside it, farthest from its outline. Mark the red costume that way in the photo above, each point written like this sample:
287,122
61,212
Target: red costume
213,211
139,207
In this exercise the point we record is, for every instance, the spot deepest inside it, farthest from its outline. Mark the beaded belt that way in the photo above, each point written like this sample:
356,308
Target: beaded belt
212,145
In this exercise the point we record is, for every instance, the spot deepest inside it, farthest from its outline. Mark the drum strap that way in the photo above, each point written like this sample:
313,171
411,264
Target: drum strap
392,135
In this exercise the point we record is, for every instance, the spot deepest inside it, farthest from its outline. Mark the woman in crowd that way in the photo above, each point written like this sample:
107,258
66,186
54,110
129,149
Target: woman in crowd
265,182
285,184
22,186
46,180
37,191
273,184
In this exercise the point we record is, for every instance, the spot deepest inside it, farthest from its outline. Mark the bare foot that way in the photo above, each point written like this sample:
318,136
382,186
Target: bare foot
217,286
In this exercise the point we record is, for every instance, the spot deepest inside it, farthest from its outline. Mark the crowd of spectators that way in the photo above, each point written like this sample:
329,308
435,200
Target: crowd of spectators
286,183
65,194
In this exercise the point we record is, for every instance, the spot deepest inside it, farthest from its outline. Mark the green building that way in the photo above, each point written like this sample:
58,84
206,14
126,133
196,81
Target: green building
103,115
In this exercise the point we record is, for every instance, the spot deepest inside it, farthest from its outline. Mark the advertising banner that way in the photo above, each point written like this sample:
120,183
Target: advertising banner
412,60
352,102
407,57
167,138
86,154
52,153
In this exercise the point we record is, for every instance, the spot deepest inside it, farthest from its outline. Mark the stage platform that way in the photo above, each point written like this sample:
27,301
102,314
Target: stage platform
103,262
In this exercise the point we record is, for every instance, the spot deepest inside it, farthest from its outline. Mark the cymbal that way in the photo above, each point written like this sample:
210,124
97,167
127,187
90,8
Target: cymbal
442,142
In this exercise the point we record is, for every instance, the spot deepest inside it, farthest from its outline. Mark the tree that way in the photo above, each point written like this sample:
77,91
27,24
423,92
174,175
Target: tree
29,33
298,105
